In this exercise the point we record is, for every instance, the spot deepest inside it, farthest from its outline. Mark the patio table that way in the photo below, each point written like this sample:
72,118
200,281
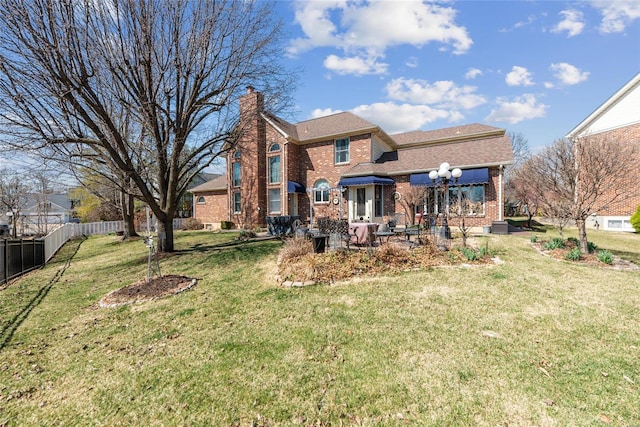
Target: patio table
363,233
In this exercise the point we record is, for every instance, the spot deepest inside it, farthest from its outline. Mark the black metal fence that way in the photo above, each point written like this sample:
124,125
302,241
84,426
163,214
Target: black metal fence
20,256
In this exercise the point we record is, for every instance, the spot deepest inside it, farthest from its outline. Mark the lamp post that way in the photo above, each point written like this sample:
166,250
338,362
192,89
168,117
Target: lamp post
446,175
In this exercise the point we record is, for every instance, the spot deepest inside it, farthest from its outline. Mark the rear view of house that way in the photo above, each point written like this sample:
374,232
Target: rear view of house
342,166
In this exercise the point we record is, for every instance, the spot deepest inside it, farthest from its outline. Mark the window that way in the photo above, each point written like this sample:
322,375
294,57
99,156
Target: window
321,193
274,200
274,147
361,202
236,175
274,169
341,148
200,199
471,200
237,154
377,205
237,206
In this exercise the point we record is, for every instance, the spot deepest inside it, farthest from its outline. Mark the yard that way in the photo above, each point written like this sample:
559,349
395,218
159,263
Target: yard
531,341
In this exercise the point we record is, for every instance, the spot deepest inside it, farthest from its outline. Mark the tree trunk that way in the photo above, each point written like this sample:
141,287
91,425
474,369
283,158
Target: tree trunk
582,236
128,215
165,235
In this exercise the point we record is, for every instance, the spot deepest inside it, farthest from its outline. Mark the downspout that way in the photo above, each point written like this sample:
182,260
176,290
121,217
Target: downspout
500,202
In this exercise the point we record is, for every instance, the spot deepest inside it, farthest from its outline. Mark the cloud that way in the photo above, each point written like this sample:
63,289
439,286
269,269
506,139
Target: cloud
519,76
568,74
443,93
354,27
573,23
412,62
617,15
355,65
321,112
521,108
472,73
395,118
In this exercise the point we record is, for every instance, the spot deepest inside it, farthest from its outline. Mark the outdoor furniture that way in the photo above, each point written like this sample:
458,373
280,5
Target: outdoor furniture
284,225
363,233
384,233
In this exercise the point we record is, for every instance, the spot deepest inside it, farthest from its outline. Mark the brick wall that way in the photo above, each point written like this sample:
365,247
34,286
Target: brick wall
625,139
214,209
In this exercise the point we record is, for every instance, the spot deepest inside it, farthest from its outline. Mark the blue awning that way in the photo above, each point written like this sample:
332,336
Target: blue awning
295,187
365,180
469,176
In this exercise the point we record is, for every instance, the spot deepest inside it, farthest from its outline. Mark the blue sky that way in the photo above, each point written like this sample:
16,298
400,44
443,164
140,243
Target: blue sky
533,67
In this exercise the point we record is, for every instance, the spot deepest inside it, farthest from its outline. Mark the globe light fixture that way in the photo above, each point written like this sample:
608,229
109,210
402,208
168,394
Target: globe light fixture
446,175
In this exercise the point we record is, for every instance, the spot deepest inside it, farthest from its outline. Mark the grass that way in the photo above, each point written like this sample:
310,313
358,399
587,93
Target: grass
532,341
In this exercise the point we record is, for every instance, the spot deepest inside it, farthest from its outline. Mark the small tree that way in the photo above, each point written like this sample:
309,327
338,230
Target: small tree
409,200
572,180
635,220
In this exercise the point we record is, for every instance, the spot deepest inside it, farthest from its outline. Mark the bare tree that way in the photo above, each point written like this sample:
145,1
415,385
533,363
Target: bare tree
14,196
413,197
577,179
148,86
525,189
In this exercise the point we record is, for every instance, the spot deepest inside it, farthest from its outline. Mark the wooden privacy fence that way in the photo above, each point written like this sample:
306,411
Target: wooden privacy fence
20,256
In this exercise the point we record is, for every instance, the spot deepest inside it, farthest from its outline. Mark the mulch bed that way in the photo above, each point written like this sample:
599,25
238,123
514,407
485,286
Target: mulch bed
157,287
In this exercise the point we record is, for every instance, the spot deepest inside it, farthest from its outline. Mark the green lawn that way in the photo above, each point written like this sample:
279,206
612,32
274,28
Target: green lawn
532,341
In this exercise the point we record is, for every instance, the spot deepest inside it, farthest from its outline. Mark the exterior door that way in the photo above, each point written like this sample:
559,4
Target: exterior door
361,204
293,206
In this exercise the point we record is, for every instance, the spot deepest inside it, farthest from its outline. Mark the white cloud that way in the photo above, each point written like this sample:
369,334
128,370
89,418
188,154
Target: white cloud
518,76
617,15
394,118
521,108
321,112
472,73
568,74
354,27
412,62
573,23
355,65
443,94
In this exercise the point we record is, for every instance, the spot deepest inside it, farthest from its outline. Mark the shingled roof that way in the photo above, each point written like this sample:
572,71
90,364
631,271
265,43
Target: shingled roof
468,146
219,183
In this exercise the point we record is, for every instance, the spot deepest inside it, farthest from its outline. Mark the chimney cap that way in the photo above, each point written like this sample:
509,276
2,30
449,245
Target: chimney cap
250,89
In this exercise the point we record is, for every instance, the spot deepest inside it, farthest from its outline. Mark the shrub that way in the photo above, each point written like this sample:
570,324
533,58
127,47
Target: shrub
573,255
469,254
574,241
635,220
193,224
555,243
295,248
591,247
533,239
605,256
227,225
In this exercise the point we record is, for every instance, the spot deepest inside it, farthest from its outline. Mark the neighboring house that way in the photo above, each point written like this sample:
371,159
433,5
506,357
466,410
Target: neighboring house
45,211
185,204
617,120
344,166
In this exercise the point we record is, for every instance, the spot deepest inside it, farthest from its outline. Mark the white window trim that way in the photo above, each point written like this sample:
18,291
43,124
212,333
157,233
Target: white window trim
626,223
335,146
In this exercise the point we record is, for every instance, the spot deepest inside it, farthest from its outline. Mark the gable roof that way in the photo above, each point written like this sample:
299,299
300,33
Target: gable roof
327,127
59,203
619,110
219,183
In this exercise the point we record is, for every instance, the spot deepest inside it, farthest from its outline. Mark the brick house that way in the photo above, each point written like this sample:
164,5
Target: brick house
617,121
342,166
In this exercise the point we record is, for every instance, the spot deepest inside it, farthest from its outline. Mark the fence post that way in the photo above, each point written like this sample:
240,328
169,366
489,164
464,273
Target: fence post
6,260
